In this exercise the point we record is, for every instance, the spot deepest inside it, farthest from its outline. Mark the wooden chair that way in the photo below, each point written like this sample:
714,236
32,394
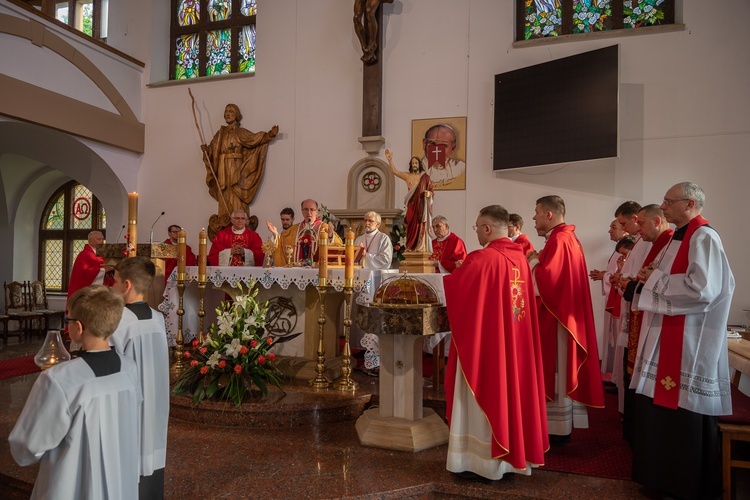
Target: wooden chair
734,428
17,308
4,322
38,302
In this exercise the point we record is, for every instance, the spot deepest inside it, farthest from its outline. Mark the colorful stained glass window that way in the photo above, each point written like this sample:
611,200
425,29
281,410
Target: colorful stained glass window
248,8
187,57
220,42
218,52
188,12
552,18
70,214
637,13
56,215
247,49
219,10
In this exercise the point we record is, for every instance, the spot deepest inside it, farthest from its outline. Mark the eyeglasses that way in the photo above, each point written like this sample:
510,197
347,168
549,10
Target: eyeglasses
371,221
668,203
480,225
69,320
309,209
239,218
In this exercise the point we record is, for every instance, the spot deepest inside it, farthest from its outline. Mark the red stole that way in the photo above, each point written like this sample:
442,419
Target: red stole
238,240
613,304
634,333
673,333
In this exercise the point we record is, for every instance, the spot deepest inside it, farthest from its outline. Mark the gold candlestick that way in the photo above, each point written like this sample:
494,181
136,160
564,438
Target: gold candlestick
201,310
320,380
345,383
132,224
179,350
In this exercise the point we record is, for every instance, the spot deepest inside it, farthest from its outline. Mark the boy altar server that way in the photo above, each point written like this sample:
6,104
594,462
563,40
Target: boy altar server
141,337
81,415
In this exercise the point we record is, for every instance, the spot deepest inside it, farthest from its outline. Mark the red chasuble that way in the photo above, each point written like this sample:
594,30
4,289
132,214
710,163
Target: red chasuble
226,239
636,317
492,313
525,243
85,269
562,280
448,251
170,264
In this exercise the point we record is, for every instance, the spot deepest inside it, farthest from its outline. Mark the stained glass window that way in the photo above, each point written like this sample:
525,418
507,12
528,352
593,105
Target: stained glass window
218,42
70,214
551,18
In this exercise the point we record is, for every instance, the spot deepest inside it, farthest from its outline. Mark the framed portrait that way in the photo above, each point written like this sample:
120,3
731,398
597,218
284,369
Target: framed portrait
440,143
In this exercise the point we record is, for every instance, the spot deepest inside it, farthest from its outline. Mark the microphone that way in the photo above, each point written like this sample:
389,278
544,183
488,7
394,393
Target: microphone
118,236
151,238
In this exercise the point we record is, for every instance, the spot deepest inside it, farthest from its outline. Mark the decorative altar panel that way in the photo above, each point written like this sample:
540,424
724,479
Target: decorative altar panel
293,303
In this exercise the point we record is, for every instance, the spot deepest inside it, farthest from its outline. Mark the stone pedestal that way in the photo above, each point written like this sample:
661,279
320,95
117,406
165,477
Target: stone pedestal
401,423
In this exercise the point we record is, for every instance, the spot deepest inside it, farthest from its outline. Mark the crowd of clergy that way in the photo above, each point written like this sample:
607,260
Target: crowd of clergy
524,367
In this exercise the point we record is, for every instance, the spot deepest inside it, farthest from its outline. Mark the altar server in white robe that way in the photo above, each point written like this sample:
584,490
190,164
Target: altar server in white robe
378,250
81,416
681,375
141,336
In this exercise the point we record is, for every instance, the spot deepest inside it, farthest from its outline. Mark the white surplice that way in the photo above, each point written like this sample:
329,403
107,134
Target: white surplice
81,428
145,342
703,294
378,249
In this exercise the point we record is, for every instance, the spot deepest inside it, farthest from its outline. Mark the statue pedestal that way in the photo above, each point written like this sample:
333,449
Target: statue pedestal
417,262
400,422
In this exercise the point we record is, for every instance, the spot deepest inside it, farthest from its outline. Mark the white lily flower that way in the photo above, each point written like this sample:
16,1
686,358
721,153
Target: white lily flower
214,359
233,349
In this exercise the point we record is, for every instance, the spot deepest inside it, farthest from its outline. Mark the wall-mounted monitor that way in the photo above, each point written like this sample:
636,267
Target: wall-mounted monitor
560,111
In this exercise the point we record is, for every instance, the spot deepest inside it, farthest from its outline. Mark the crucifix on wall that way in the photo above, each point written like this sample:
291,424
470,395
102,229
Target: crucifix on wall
368,17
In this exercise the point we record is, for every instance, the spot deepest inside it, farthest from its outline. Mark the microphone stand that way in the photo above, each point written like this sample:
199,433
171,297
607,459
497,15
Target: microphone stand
118,236
151,237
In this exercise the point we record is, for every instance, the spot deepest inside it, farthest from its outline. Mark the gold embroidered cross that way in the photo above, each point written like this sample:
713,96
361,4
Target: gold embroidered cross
516,293
668,383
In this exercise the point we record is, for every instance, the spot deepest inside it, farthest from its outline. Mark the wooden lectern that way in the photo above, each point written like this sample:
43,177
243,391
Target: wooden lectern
157,252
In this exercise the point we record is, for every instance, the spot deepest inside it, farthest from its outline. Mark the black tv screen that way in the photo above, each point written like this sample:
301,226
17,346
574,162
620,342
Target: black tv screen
559,111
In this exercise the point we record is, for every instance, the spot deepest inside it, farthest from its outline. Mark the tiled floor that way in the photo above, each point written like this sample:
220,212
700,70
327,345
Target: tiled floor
323,461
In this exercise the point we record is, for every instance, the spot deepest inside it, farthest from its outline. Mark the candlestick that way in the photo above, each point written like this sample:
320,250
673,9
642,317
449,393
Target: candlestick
181,254
202,241
349,259
132,223
323,256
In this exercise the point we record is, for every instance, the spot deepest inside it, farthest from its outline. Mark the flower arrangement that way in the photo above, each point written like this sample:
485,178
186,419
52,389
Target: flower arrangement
234,356
398,240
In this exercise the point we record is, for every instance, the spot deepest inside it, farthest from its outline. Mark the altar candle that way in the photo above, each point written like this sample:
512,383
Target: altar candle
132,223
181,253
349,259
202,240
323,256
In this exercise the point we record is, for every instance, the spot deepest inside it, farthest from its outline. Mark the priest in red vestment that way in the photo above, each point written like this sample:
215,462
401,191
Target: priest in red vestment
448,250
88,269
515,234
301,237
170,264
236,245
566,322
495,403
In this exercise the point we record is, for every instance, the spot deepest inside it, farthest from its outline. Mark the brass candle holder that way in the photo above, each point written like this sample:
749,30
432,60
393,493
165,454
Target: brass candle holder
201,310
179,350
320,380
345,382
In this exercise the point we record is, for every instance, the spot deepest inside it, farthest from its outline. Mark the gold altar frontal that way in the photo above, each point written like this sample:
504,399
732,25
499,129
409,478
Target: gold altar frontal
400,422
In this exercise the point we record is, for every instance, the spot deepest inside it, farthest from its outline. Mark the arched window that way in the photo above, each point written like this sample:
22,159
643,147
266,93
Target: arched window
71,213
212,37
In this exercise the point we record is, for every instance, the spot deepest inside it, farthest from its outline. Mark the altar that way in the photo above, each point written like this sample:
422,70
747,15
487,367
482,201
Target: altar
293,304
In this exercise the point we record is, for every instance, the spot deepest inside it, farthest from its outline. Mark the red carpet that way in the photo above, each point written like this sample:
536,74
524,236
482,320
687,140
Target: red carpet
599,450
16,367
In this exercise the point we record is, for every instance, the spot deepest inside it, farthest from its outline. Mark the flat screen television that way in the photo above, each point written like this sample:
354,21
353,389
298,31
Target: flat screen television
560,111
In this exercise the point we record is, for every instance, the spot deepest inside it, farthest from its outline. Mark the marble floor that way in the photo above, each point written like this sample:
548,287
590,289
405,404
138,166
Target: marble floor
318,461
